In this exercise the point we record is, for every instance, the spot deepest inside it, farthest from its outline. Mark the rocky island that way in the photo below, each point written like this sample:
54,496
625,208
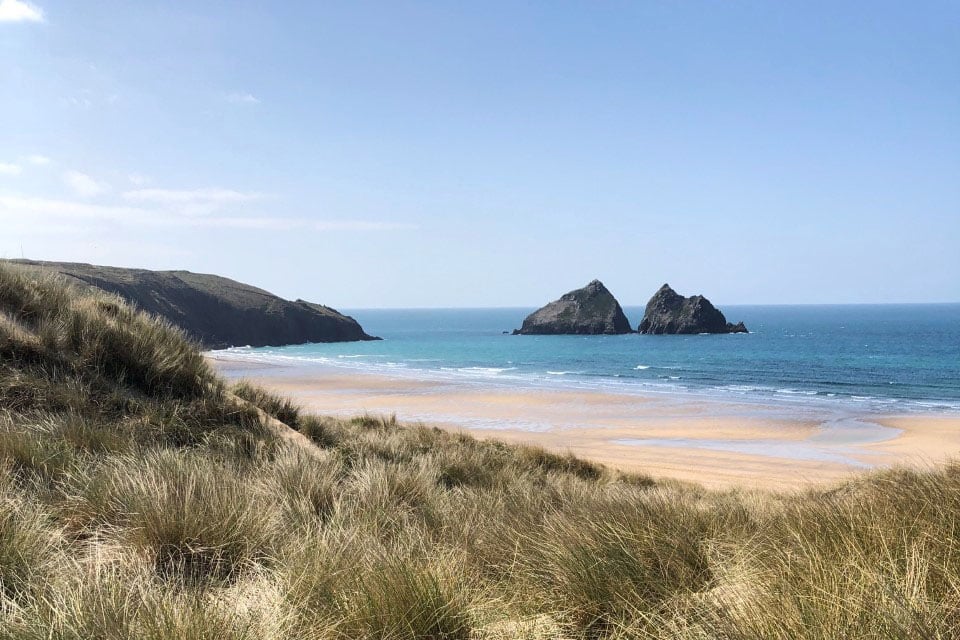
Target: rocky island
591,310
216,312
670,312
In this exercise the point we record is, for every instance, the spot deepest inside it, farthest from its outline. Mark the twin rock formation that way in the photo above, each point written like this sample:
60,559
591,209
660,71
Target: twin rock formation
593,310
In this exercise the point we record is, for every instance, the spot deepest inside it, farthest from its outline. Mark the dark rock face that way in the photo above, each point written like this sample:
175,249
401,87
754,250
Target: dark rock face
215,311
670,312
587,311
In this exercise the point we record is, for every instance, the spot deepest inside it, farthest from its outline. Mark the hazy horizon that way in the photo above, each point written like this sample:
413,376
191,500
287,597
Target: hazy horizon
402,156
628,305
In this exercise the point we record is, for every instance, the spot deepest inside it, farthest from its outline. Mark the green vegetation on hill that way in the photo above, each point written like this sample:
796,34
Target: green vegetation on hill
143,497
216,312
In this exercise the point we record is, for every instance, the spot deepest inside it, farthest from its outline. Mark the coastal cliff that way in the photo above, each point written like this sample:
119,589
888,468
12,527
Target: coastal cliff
669,312
216,312
587,311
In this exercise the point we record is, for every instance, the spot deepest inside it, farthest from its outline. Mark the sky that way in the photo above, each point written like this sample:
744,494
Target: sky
477,154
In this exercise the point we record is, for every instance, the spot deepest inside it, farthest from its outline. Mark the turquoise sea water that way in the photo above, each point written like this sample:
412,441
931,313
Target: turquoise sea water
889,358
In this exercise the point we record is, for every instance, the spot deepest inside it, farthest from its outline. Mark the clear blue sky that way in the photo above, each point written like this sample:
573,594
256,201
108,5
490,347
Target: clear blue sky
398,154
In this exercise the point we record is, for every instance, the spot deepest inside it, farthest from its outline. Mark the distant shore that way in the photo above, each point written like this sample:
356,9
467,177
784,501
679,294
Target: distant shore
717,443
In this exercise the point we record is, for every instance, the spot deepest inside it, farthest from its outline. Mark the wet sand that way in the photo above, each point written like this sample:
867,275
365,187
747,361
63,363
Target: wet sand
717,443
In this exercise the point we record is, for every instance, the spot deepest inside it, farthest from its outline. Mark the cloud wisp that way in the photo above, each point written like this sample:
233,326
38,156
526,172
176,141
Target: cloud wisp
83,185
19,11
181,196
191,202
242,98
46,212
16,168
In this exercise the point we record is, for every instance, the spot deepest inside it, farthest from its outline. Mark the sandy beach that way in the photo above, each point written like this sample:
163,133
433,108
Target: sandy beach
717,443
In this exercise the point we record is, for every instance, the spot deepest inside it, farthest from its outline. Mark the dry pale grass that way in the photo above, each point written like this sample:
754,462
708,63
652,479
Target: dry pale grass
141,499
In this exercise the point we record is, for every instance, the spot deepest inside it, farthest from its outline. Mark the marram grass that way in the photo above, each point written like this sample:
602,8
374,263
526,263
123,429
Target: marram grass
143,497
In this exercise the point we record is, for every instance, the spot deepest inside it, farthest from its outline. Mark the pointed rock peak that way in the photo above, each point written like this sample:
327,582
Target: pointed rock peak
666,290
595,285
589,310
593,290
669,312
666,294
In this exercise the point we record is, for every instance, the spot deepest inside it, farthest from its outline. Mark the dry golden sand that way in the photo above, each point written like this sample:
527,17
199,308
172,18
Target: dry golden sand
775,442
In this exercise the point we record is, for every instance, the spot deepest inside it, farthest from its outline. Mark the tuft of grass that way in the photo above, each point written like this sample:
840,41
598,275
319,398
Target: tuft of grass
407,602
621,556
322,431
33,457
122,600
374,422
29,545
319,571
308,488
280,408
348,584
194,520
568,463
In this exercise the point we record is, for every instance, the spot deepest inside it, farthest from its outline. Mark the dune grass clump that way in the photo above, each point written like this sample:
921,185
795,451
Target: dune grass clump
45,323
405,601
32,457
349,583
620,556
29,545
193,519
143,497
122,599
280,408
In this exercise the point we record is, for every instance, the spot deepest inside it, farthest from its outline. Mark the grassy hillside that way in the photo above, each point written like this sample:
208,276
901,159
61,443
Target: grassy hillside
145,498
215,311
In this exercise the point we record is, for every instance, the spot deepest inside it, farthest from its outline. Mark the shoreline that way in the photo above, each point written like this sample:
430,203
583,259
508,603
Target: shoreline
718,443
774,395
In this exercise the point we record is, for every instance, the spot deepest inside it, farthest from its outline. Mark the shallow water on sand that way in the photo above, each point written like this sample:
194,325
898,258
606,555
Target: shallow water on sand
837,442
865,358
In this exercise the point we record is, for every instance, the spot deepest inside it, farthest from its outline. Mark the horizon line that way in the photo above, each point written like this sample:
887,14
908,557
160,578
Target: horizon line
718,305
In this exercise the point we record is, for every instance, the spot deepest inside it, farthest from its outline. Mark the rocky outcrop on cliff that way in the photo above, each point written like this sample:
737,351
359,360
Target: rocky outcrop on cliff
670,312
216,312
587,311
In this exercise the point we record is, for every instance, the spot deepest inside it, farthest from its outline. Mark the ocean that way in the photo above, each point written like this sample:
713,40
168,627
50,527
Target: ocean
878,358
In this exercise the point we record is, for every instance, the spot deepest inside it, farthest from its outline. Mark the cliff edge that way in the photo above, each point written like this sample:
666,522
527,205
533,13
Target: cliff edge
216,312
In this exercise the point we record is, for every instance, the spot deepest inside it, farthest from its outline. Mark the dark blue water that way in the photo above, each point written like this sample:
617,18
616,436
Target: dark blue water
889,357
